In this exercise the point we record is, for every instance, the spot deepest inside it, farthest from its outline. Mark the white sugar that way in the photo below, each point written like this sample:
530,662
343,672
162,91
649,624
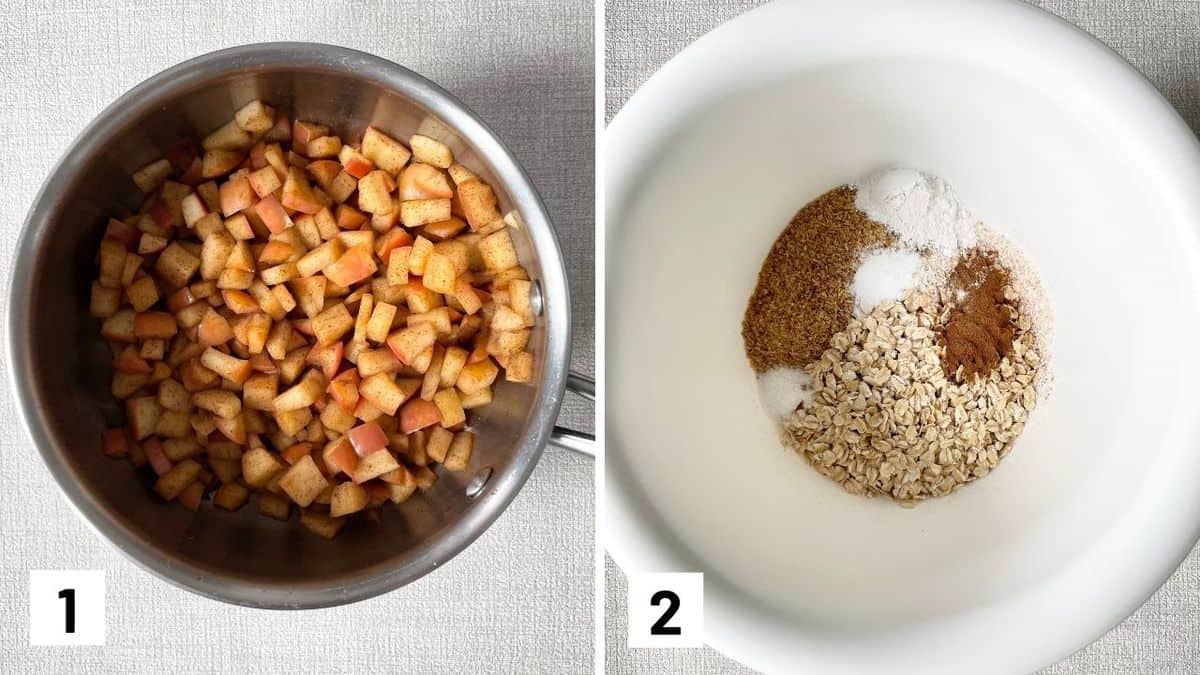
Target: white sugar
782,390
884,274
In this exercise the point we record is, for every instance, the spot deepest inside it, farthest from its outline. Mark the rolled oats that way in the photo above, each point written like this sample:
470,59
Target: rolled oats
885,420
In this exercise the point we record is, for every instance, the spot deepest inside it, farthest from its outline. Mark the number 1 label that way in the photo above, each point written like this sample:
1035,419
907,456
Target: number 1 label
666,610
66,607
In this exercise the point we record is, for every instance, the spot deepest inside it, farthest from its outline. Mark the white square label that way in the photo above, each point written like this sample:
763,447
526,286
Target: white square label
66,607
666,609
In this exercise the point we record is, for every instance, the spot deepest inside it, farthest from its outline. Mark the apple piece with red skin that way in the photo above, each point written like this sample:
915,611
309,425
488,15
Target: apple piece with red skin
236,195
129,361
273,214
408,343
191,496
154,325
299,195
355,163
367,438
389,241
339,455
123,232
160,213
422,181
156,456
324,171
418,414
180,299
327,357
343,389
353,266
296,452
115,442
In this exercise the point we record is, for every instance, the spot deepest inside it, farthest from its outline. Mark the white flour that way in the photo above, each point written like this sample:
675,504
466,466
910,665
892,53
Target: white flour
920,208
884,274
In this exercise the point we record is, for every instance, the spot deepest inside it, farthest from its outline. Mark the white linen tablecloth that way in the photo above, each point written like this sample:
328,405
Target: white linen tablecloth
1159,37
520,599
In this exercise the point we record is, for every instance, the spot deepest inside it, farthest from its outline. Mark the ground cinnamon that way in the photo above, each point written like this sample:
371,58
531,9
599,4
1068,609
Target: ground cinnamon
979,329
802,297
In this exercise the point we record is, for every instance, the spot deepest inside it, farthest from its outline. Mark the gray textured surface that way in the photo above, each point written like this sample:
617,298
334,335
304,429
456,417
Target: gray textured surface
499,606
1159,37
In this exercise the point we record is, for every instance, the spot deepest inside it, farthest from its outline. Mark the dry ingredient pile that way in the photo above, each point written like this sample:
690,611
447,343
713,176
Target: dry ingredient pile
900,343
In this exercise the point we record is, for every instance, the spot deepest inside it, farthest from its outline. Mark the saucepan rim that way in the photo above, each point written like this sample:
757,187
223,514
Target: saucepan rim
273,57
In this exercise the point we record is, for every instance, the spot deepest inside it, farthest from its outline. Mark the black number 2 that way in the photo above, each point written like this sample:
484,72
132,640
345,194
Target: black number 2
660,627
68,594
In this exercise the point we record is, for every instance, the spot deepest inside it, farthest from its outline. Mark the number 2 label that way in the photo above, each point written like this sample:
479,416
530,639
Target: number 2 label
666,610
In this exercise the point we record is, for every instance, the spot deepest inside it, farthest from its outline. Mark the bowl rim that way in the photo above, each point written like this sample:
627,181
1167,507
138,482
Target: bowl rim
275,56
1038,627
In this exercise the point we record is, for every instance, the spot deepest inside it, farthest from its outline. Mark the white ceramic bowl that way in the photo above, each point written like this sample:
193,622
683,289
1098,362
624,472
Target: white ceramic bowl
1050,138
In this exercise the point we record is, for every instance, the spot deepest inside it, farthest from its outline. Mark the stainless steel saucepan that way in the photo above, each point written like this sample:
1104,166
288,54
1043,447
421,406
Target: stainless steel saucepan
61,367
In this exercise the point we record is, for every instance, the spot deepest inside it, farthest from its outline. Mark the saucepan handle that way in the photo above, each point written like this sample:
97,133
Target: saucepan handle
569,439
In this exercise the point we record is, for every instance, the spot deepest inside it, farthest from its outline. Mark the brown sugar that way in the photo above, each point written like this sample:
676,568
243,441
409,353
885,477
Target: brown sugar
979,329
802,299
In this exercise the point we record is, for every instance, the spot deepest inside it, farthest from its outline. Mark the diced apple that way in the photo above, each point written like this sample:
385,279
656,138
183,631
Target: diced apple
129,361
372,361
409,342
438,444
273,214
259,466
305,393
478,203
477,376
154,325
422,181
115,442
431,151
381,391
332,323
323,146
380,324
219,402
461,448
439,274
310,294
367,438
374,465
418,414
255,117
422,211
150,177
384,151
450,406
299,195
374,192
227,366
231,496
173,482
353,266
444,230
347,498
355,163
218,162
498,251
321,525
228,137
303,481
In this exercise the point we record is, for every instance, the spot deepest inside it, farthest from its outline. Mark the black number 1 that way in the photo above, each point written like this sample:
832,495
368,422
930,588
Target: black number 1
68,594
660,627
